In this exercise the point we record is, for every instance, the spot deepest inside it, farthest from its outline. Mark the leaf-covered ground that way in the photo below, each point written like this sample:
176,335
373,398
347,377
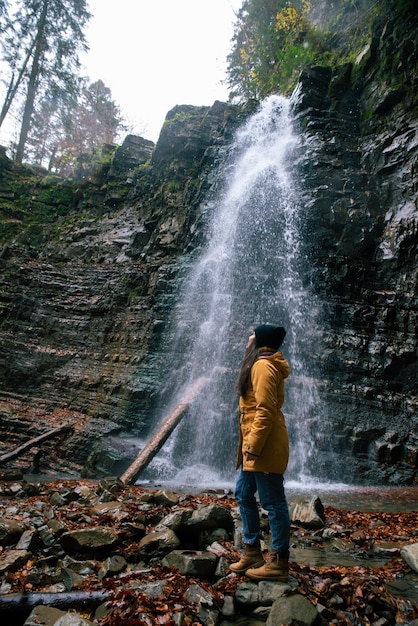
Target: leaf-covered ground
354,595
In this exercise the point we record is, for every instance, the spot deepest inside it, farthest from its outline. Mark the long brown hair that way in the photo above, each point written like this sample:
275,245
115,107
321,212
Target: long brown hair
251,355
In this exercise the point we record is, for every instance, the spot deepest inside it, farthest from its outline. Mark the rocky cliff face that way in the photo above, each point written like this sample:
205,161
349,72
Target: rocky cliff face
358,163
88,285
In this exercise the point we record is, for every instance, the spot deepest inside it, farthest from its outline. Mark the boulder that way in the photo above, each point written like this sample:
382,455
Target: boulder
10,531
45,615
91,540
295,609
13,559
307,511
198,563
208,518
208,613
158,543
410,554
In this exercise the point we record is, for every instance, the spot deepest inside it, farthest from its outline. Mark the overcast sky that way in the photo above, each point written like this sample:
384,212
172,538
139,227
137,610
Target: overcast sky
154,54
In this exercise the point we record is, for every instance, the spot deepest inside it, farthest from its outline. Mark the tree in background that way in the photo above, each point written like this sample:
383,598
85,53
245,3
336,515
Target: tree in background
62,131
273,40
40,42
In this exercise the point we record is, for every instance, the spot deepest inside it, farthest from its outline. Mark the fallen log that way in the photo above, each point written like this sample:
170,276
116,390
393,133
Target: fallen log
161,435
19,605
8,456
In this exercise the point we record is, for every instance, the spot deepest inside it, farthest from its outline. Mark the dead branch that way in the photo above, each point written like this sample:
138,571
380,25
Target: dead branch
161,435
34,442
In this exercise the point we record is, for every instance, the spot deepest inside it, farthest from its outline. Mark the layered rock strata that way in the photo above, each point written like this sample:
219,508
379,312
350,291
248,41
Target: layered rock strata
88,286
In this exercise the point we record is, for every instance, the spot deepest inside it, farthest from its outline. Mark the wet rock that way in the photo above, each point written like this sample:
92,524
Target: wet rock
158,544
269,591
292,609
207,611
112,508
72,619
154,589
13,559
175,520
113,565
410,554
166,498
70,578
45,615
84,568
192,563
27,541
222,567
10,531
208,537
112,484
307,511
208,518
58,527
247,594
89,540
228,607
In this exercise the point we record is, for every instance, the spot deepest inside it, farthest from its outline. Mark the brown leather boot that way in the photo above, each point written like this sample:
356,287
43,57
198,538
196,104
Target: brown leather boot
276,569
252,557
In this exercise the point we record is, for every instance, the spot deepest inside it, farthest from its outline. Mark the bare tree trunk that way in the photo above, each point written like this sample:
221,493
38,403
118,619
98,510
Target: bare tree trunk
8,456
16,606
32,86
161,435
14,86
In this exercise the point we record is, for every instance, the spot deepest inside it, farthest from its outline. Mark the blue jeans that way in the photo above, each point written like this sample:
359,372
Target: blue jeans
272,498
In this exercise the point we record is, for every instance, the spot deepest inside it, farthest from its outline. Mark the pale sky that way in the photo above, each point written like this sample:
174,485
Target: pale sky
154,54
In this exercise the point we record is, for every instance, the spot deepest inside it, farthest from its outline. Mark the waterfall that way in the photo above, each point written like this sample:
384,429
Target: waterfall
250,271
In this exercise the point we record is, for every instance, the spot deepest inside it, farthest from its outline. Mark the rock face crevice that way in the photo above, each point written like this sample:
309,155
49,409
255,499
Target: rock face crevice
90,270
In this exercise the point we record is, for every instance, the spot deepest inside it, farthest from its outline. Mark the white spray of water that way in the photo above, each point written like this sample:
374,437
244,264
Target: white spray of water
249,272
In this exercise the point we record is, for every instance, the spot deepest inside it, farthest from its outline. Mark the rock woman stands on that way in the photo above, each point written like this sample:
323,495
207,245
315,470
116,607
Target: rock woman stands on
263,454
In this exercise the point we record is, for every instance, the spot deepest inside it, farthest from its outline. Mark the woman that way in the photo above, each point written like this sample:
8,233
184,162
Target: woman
263,453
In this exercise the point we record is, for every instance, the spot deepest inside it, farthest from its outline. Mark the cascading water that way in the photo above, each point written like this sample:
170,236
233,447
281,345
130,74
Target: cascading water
251,271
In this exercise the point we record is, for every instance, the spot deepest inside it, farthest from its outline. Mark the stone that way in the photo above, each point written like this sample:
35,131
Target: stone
228,607
27,541
292,609
112,565
208,613
72,619
192,562
247,594
105,508
175,520
269,591
45,615
89,540
153,590
210,517
13,559
410,554
165,498
157,544
112,484
307,511
10,531
70,578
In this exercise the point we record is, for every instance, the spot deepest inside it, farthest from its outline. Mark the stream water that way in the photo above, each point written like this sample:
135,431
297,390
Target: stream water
251,270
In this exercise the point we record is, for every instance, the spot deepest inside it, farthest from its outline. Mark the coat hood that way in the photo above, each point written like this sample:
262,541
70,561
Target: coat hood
280,363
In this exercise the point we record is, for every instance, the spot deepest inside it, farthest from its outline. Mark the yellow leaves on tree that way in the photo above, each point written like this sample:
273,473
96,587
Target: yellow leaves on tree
290,20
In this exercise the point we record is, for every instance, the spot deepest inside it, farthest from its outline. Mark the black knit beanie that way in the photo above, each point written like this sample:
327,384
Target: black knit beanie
267,335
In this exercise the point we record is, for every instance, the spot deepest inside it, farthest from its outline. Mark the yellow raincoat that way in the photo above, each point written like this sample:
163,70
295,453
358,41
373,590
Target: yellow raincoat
263,429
